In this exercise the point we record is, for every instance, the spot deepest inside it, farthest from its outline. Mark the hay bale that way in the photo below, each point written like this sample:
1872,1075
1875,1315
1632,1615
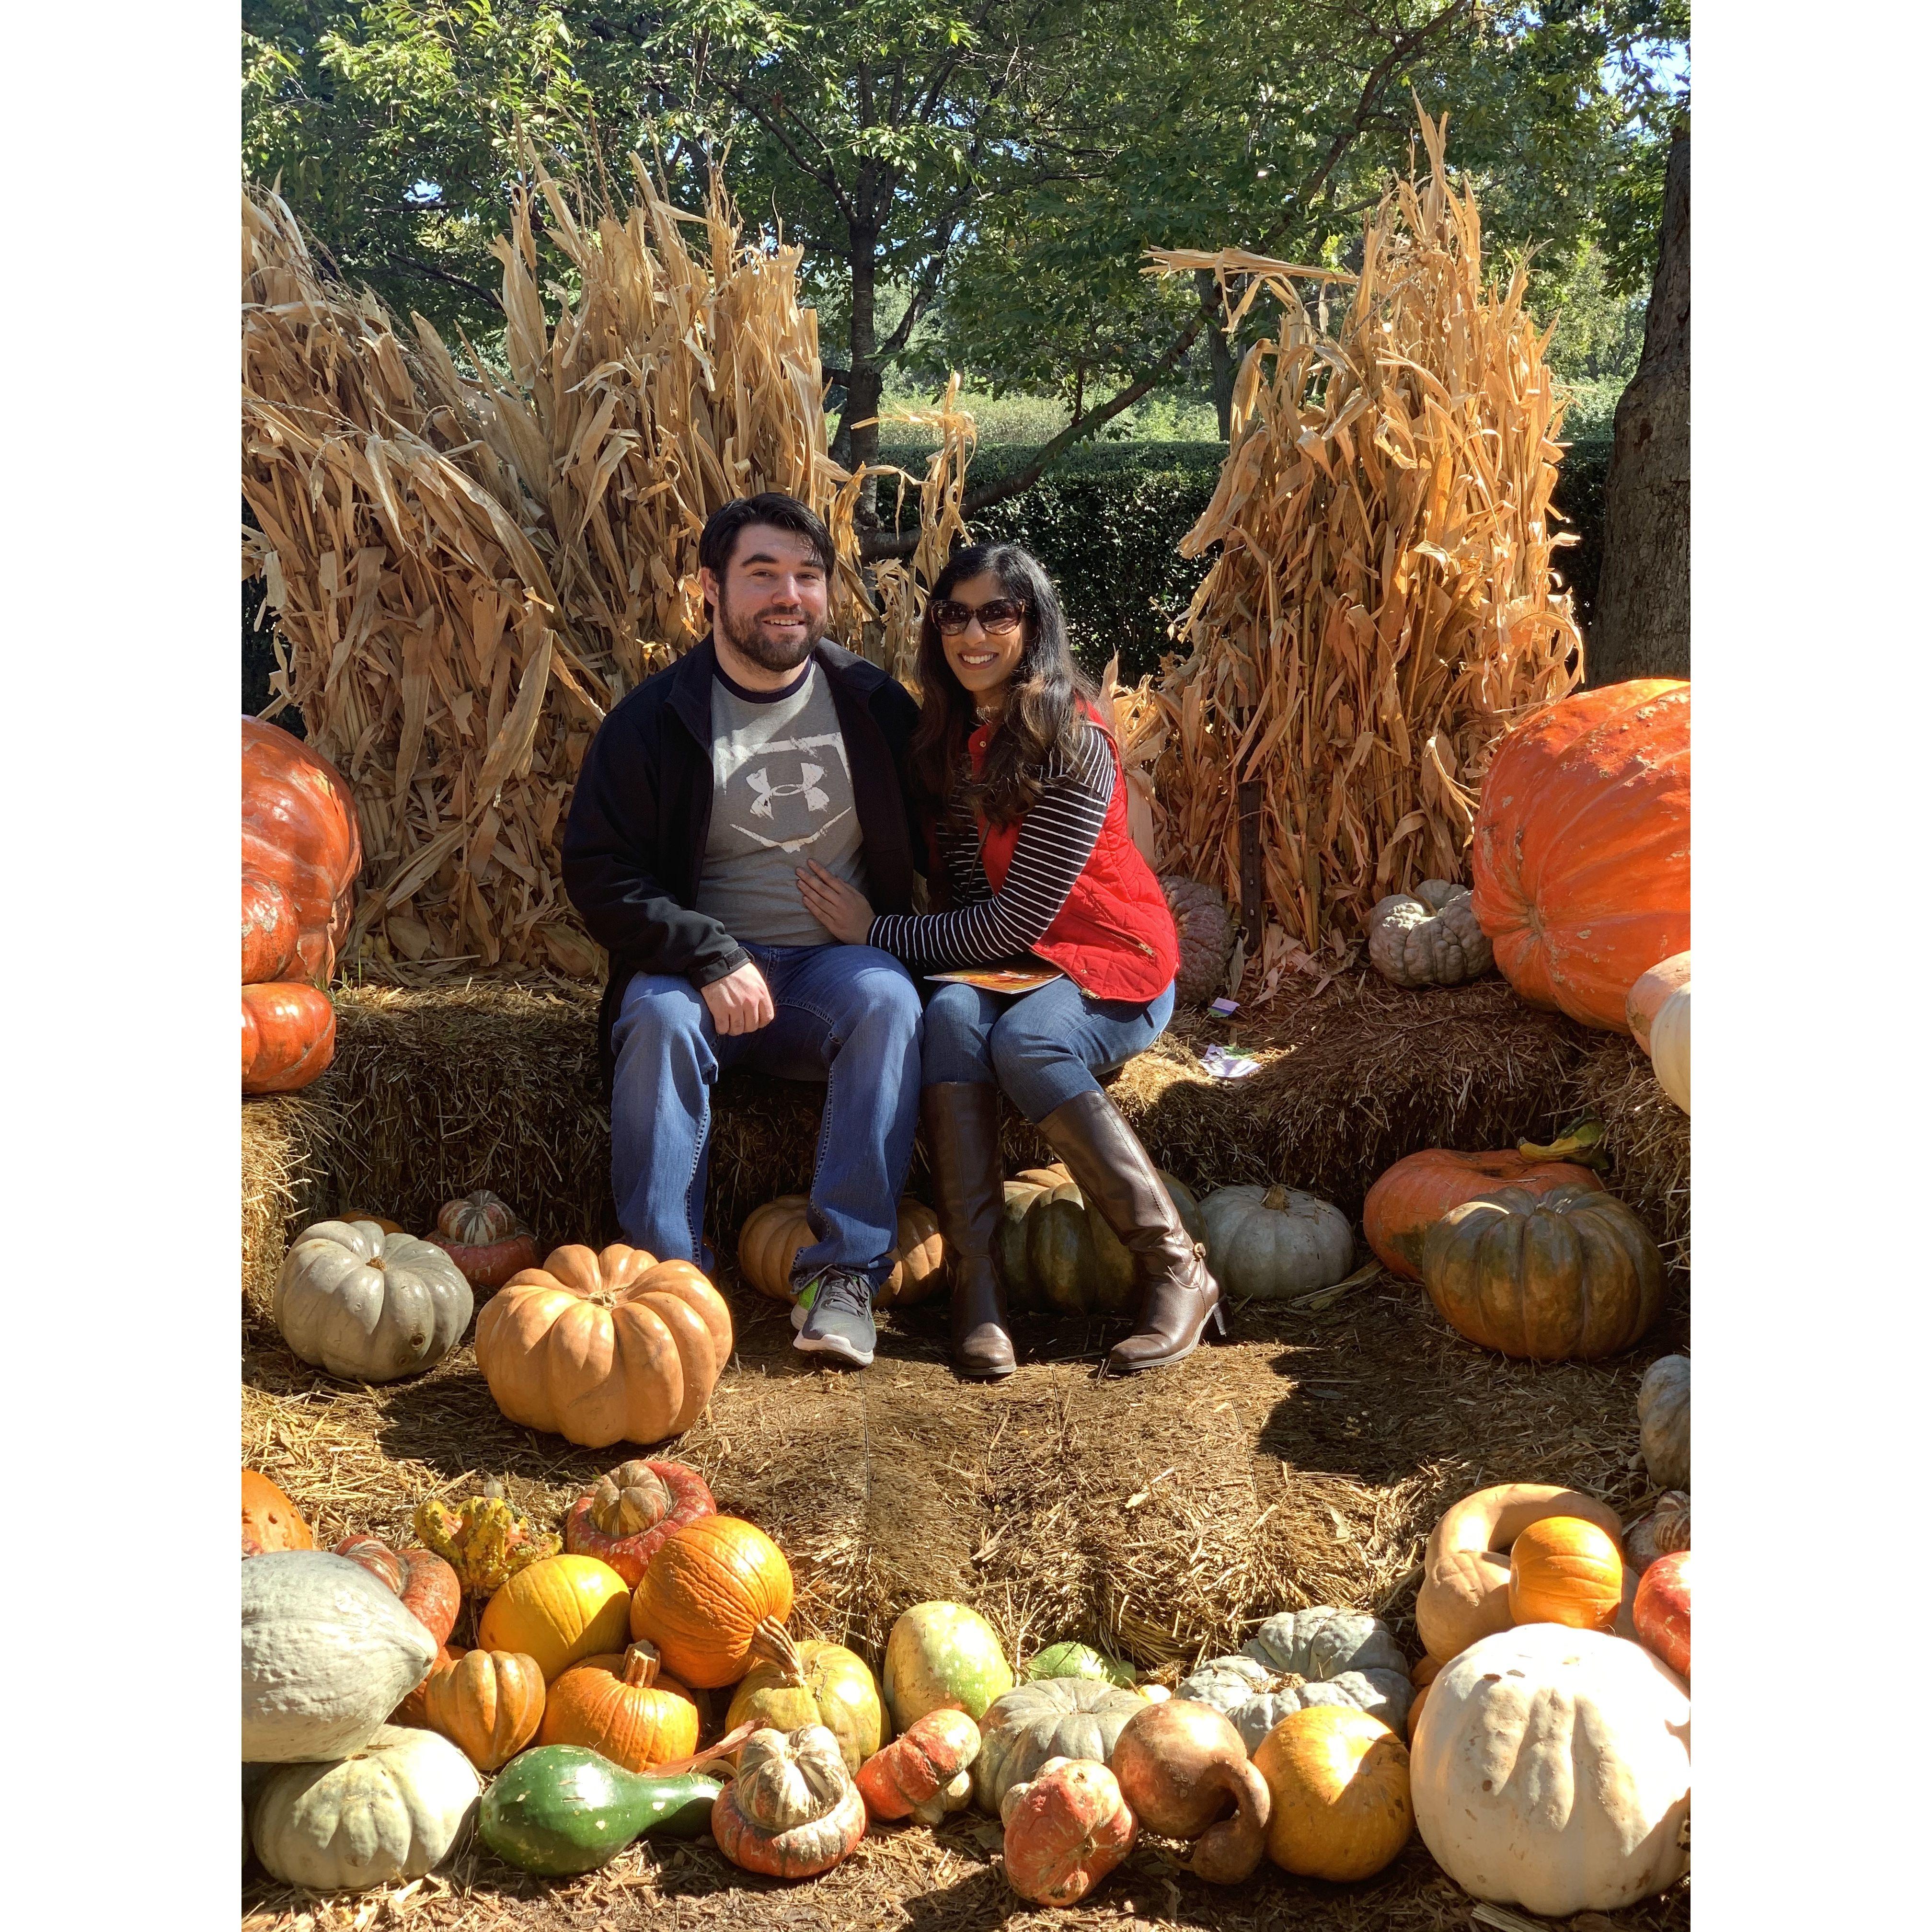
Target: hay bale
1648,1138
283,1179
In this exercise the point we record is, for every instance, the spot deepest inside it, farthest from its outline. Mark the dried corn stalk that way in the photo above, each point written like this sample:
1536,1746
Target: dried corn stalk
1382,608
468,571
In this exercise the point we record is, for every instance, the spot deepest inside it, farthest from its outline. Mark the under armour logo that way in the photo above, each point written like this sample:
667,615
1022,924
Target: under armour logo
807,788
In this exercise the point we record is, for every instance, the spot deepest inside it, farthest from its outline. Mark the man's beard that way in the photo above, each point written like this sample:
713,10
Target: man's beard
746,634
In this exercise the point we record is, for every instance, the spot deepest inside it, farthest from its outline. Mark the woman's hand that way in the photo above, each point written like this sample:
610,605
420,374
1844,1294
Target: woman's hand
842,910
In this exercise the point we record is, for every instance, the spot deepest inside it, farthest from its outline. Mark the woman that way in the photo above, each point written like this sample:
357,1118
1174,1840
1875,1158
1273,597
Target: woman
1026,812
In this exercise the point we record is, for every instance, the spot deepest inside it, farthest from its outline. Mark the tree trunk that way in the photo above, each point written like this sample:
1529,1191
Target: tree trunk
1220,352
858,429
1641,627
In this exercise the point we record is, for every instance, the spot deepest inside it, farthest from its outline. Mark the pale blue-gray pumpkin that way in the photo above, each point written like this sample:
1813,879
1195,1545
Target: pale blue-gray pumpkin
1269,1244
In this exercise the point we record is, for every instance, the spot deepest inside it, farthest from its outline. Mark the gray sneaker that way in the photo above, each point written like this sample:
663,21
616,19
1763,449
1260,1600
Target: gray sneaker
833,1316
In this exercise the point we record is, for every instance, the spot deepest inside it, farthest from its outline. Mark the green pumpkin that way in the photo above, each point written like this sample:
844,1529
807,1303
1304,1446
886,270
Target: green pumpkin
1049,1718
792,1683
1070,1659
560,1809
1056,1254
942,1656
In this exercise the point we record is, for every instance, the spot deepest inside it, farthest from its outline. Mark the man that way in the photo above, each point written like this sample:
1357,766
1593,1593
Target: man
701,795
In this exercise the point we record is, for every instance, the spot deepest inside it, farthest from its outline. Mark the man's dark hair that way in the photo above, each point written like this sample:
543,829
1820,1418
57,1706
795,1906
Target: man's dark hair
720,541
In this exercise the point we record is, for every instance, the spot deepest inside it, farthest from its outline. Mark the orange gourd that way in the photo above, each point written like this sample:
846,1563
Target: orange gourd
559,1609
1411,1196
1582,851
269,1521
299,833
633,1510
1566,1570
604,1348
288,1036
915,1775
1338,1780
704,1595
621,1707
488,1703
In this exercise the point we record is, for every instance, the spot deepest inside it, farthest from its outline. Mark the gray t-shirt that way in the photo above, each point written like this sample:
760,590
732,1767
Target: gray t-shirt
781,792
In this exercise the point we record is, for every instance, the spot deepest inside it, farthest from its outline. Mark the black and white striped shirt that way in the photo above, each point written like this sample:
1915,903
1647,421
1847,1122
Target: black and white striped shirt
1054,843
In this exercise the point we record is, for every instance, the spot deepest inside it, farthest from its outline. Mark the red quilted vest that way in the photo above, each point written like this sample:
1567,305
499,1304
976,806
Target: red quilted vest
1114,936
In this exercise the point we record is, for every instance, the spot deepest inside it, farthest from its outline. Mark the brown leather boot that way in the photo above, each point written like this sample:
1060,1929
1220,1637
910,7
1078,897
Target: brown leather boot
1179,1297
962,1134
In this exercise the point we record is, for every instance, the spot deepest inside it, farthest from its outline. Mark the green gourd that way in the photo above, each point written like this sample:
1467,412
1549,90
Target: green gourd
559,1810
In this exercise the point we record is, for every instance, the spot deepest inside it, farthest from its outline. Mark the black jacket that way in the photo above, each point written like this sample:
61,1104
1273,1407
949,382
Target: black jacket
634,844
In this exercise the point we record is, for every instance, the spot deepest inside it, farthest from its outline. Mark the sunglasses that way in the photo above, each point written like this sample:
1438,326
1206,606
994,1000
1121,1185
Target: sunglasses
1000,614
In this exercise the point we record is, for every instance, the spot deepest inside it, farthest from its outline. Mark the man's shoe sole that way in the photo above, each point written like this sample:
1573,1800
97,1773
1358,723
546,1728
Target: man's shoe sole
840,1351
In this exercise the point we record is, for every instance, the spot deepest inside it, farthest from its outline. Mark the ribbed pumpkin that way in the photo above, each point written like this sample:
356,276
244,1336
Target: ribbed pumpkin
1205,928
288,1036
488,1703
705,1594
299,831
559,1610
1582,850
1339,1781
1268,1244
1411,1197
603,1347
623,1707
1564,1570
427,1585
792,1810
1428,937
1568,1275
1055,1252
772,1235
792,1683
1047,1717
269,1521
633,1510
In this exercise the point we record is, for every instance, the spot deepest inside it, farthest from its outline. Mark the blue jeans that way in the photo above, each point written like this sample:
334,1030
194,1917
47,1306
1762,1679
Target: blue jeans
1042,1048
847,1016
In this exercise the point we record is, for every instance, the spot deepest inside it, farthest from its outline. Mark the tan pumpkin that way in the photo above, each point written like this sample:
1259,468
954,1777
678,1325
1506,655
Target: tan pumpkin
924,1775
772,1236
1569,1276
706,1593
1411,1197
488,1703
1465,1563
1564,1570
633,1511
790,1684
269,1521
623,1707
1339,1781
559,1610
791,1811
603,1347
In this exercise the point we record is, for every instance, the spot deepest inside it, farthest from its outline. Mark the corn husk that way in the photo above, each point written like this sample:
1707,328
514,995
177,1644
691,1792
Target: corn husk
1383,608
470,565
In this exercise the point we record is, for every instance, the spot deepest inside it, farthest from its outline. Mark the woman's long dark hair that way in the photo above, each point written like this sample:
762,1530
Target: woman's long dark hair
1044,710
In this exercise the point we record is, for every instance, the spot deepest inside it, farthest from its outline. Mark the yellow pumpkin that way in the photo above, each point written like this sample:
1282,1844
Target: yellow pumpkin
772,1235
559,1610
1339,1779
1565,1571
792,1683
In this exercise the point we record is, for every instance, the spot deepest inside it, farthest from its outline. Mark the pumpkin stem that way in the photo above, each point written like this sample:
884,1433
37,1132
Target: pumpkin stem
641,1663
772,1642
1276,1197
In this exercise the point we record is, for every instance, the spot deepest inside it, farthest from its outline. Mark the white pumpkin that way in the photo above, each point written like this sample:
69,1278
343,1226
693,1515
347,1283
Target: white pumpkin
1657,1007
327,1653
1551,1769
1663,1420
370,1306
1266,1243
391,1810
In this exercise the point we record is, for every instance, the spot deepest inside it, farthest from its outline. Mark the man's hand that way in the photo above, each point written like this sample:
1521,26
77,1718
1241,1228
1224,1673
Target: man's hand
741,1002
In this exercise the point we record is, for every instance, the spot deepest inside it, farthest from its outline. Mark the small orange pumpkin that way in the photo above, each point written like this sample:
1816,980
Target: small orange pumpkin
426,1584
414,1709
288,1036
488,1703
772,1235
704,1595
619,1706
1565,1571
634,1511
269,1521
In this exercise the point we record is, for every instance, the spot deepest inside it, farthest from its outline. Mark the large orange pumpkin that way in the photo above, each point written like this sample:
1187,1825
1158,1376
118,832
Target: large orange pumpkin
605,1347
1411,1197
270,932
269,1521
704,1595
299,830
1566,1570
288,1036
619,1706
1581,852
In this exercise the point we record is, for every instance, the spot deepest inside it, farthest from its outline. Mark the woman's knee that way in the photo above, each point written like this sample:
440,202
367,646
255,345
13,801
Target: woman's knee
1021,1042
